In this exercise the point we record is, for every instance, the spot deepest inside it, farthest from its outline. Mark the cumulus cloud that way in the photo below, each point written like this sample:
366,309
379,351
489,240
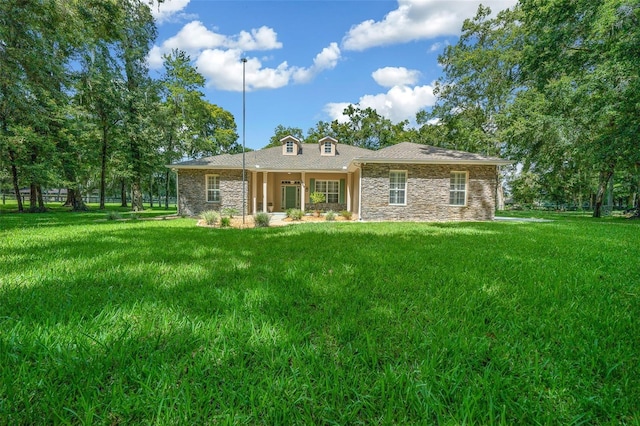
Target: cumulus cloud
327,59
194,38
401,102
168,10
223,69
395,76
417,20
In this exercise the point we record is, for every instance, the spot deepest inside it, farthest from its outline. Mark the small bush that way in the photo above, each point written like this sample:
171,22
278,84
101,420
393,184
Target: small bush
210,217
261,220
230,211
346,214
295,214
330,216
225,222
112,215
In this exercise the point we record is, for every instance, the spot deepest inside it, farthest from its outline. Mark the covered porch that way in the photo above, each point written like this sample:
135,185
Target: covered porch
278,191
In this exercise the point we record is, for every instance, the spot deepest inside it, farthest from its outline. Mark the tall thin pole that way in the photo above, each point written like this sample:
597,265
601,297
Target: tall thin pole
244,182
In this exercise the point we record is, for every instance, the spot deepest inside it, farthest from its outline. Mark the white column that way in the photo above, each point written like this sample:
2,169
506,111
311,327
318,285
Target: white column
264,191
303,186
349,176
254,192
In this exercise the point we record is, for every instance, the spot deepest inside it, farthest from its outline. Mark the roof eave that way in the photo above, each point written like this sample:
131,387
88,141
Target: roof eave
491,162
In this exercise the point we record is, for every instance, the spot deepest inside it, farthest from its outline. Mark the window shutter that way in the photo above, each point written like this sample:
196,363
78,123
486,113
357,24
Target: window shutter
312,187
341,196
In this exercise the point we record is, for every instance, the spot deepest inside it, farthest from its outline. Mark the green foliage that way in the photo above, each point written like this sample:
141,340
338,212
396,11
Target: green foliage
346,214
113,215
225,221
295,214
317,197
282,132
230,212
261,220
392,324
330,216
210,217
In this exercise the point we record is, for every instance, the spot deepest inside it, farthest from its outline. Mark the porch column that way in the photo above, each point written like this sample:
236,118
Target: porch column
254,192
264,191
349,191
302,189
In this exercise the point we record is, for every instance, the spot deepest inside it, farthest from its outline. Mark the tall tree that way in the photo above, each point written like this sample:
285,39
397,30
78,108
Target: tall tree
588,52
282,131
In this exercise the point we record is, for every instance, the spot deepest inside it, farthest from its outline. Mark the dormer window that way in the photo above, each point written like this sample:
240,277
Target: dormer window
327,146
290,145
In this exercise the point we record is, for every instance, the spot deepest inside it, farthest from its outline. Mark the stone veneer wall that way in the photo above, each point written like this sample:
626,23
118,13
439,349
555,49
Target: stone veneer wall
192,198
427,194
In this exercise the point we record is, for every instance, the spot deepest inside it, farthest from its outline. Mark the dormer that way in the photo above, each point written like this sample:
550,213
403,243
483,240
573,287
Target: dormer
327,146
290,145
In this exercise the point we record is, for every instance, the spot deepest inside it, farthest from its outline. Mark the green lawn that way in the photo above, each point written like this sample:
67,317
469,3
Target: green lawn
163,322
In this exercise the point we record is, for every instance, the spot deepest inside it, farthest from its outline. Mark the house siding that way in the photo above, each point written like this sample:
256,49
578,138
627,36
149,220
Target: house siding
427,194
192,191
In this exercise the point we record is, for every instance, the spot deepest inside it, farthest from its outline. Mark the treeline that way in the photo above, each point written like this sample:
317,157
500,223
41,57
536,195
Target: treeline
80,110
551,84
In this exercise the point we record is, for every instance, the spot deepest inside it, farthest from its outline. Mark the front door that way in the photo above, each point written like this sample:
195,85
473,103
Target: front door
290,196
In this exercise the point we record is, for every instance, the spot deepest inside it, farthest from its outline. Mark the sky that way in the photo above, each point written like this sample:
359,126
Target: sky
306,60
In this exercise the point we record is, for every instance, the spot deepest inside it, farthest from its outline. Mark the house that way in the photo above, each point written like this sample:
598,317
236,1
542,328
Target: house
406,181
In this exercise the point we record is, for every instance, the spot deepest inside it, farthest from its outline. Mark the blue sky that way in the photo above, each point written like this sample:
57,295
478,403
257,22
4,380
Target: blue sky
308,59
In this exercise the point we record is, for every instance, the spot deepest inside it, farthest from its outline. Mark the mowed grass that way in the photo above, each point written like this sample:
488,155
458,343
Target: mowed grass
163,322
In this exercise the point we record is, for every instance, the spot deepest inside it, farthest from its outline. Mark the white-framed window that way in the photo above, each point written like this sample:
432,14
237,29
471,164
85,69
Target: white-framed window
213,188
398,187
330,189
328,147
458,189
289,148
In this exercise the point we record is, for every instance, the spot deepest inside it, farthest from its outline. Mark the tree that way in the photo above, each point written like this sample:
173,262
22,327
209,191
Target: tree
281,131
588,52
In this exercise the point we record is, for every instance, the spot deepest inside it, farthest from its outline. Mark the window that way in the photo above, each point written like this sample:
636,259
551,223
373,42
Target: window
458,189
330,189
289,147
328,147
213,188
398,187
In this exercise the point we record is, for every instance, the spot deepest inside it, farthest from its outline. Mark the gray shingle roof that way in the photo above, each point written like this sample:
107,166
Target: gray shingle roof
310,158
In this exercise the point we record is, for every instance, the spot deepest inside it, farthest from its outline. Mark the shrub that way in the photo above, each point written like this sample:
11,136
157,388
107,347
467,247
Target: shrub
295,214
210,217
229,211
225,222
346,214
261,220
330,216
112,215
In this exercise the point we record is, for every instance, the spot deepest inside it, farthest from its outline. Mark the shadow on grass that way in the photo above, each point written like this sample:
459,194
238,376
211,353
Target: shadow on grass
279,324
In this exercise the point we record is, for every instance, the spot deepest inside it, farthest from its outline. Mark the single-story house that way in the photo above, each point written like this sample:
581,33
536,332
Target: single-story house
406,181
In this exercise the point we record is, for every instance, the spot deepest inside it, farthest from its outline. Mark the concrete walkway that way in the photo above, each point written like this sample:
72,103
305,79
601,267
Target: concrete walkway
520,219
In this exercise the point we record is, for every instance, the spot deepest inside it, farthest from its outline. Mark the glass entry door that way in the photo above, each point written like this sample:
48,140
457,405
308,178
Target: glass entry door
290,197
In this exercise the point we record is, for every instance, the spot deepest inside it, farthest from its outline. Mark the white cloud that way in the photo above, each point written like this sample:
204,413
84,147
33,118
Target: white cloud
166,11
395,76
327,59
439,46
417,20
401,102
194,38
223,69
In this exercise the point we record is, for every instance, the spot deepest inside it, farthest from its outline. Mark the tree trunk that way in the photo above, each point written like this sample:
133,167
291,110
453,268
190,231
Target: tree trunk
103,166
75,201
166,189
123,193
151,191
40,199
33,198
136,196
602,189
14,179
